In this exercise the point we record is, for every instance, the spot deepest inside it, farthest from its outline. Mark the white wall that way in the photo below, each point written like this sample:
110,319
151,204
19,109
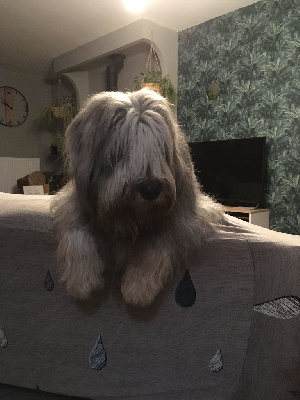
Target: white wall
97,80
121,41
133,66
26,140
165,42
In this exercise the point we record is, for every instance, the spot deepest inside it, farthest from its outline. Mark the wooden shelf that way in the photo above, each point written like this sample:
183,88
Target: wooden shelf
256,216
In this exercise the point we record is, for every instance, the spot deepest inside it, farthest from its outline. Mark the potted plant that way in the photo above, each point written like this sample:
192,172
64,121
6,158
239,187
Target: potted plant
51,114
155,81
57,145
55,119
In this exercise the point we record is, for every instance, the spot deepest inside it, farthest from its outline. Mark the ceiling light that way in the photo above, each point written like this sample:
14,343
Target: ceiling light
135,6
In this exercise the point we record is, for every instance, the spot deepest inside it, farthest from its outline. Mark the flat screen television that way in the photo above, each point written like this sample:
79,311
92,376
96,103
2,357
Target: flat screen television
232,171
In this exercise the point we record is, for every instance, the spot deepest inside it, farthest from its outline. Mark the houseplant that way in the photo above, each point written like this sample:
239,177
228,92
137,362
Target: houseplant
54,113
155,81
55,119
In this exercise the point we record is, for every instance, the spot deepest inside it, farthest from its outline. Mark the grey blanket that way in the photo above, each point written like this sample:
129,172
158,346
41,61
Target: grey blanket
212,346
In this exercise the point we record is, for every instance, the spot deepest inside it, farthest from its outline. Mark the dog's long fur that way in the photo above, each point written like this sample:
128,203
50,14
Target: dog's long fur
117,141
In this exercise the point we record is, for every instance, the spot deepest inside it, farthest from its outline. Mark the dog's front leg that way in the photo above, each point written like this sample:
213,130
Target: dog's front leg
80,263
146,274
77,251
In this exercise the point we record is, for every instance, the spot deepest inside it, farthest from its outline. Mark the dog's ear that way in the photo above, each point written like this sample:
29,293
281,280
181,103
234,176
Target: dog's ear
90,127
85,137
80,142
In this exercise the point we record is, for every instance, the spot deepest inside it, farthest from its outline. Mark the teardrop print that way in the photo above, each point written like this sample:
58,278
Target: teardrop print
48,282
185,294
216,363
98,356
3,338
283,307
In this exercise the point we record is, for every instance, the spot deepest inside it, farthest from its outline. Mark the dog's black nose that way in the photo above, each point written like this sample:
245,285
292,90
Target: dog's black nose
150,189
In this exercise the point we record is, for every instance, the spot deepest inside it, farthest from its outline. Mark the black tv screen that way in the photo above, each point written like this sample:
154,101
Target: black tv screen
232,171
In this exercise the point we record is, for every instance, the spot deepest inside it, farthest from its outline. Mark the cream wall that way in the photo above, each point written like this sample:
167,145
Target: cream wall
133,66
78,62
26,140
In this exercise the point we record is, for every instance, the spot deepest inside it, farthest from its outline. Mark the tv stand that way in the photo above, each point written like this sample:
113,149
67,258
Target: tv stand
253,215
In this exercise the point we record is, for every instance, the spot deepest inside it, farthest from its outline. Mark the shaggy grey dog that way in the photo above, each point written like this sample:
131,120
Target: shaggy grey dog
133,204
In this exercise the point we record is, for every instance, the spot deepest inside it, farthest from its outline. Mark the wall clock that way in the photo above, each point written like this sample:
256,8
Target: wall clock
13,106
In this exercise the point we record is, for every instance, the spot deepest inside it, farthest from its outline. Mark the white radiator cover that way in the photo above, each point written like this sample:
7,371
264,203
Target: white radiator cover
11,169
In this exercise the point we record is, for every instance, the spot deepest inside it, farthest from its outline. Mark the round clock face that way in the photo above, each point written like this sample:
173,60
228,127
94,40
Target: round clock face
13,107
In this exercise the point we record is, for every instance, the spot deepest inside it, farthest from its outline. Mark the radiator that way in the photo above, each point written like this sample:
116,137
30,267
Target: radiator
12,169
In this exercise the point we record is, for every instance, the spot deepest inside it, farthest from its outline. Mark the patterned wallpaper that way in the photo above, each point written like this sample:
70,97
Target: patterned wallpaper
253,53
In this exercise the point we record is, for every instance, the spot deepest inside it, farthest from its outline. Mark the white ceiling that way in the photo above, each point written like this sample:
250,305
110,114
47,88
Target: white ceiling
33,32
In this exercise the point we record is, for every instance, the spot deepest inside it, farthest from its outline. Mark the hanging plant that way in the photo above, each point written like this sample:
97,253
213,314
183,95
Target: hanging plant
61,110
66,112
55,119
58,112
152,79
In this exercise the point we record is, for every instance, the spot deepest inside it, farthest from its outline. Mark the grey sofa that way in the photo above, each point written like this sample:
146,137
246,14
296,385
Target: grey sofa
233,334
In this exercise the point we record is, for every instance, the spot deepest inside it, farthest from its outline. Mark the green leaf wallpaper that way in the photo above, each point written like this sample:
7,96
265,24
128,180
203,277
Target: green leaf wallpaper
253,53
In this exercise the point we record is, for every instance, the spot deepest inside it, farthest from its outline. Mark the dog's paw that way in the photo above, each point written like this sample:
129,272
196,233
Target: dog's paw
143,281
137,299
84,290
138,294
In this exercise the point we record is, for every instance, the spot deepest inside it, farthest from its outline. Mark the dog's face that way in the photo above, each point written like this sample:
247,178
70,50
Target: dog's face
127,158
